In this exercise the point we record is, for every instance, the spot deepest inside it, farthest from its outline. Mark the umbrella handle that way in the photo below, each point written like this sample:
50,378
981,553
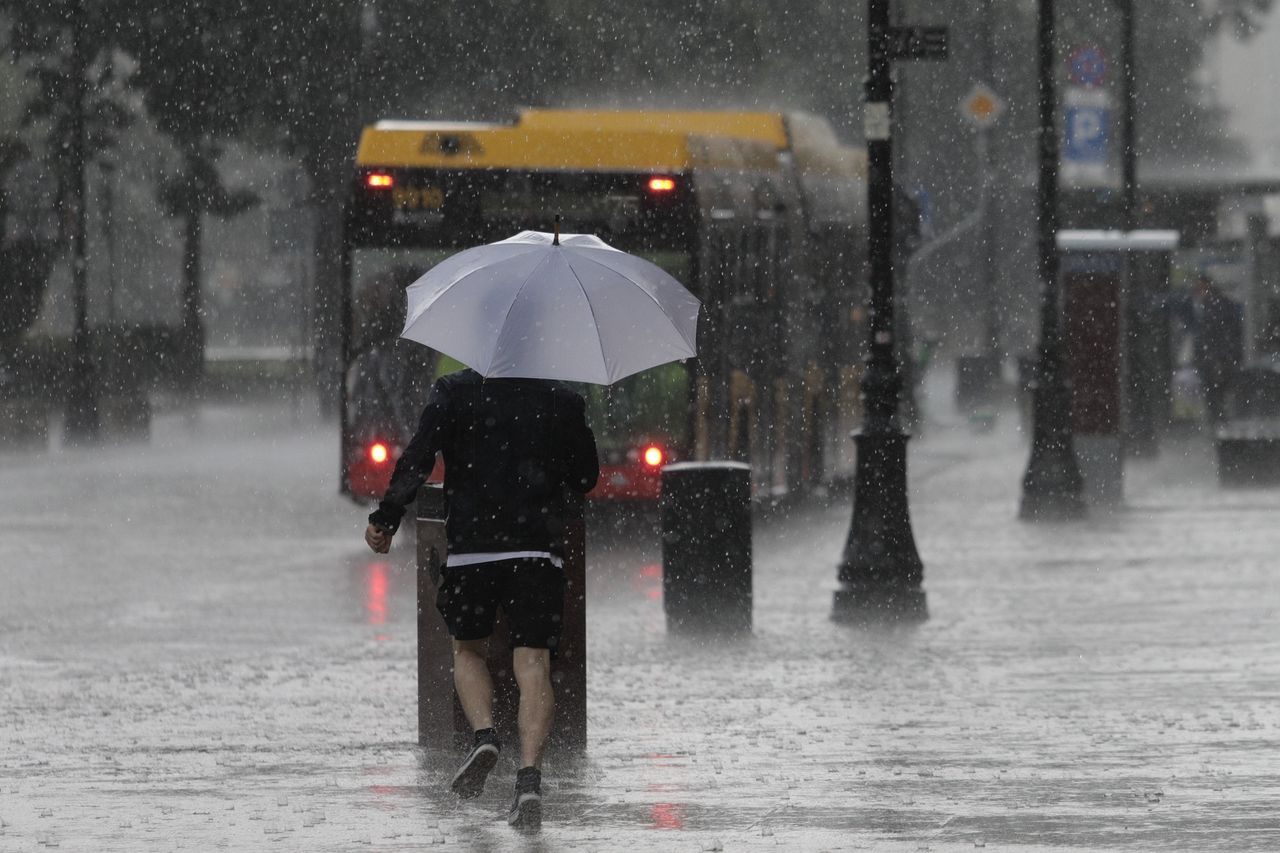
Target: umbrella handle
556,241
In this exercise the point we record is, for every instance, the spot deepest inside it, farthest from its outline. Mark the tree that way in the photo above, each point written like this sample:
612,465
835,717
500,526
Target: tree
24,259
1181,123
185,91
41,57
194,95
312,73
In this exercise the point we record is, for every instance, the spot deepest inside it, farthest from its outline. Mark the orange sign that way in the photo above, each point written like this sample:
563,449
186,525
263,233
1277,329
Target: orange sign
981,106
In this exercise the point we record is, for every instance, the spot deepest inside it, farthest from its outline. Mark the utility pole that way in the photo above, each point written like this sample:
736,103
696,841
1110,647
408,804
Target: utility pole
82,424
881,572
1142,339
1052,486
992,324
1128,82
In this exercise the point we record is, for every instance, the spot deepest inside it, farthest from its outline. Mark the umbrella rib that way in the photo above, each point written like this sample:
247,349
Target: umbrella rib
595,322
497,345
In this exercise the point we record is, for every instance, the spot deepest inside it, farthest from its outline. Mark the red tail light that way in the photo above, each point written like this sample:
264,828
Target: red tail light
653,456
378,452
662,185
380,181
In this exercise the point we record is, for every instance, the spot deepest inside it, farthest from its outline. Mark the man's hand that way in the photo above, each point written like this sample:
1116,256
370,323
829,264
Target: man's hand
377,538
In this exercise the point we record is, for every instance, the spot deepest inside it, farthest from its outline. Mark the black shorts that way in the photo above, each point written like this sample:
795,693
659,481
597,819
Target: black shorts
529,591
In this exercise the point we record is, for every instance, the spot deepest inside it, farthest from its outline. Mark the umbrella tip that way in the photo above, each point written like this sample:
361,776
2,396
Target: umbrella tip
556,241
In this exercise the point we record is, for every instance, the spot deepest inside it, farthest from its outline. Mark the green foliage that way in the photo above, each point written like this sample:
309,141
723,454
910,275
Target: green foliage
172,58
654,404
45,46
1180,120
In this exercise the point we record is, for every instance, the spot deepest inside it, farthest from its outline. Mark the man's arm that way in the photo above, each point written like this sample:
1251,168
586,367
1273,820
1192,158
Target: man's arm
583,466
415,463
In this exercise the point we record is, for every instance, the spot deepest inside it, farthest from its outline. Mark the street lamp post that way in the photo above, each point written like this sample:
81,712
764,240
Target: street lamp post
881,572
993,330
82,425
1052,486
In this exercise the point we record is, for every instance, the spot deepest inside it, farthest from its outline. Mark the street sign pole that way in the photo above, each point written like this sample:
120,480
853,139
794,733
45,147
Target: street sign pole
881,573
1052,488
1143,340
992,322
1128,152
82,424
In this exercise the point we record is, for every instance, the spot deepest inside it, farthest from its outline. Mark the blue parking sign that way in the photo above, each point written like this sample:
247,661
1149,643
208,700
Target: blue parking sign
1088,130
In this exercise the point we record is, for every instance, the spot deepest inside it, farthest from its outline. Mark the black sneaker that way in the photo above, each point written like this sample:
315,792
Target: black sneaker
468,782
526,810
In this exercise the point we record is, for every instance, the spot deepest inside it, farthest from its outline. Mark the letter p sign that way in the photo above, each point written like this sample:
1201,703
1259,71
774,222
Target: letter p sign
1087,131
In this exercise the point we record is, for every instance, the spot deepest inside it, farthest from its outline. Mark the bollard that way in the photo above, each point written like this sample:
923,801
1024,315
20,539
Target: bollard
706,546
441,722
569,669
437,704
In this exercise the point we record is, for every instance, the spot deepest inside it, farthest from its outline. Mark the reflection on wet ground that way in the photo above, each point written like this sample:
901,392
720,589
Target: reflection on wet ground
226,683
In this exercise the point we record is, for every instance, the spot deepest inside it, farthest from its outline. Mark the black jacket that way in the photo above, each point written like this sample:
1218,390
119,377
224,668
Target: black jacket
511,447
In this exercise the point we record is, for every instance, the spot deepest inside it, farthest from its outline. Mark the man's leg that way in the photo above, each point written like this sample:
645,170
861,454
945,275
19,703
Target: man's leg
535,612
474,684
472,680
537,708
537,702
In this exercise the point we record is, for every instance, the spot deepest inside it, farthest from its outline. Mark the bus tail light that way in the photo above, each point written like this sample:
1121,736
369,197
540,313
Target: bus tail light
379,181
662,185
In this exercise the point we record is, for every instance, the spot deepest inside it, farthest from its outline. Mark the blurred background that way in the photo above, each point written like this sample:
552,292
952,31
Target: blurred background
220,140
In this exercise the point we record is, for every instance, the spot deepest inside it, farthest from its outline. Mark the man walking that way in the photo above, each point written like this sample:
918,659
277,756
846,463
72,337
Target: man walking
511,448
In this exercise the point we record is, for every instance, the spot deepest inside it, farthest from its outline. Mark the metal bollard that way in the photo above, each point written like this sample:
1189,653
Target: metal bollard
441,722
706,546
437,705
569,669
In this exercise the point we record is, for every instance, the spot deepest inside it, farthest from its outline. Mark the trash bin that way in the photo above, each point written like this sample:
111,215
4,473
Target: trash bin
705,509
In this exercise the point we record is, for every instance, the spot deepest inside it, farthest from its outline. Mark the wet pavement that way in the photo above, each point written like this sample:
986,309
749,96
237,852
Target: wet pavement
197,652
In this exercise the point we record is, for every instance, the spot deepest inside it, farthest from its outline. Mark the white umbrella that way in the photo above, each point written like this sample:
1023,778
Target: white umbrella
539,306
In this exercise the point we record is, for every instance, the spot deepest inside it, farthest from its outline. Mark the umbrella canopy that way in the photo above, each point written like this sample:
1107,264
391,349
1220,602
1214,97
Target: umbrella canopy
534,306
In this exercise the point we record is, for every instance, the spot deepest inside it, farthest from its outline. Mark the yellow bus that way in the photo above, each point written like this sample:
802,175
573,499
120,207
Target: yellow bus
761,215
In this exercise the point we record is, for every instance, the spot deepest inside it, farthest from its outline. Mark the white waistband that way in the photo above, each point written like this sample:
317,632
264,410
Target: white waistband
495,556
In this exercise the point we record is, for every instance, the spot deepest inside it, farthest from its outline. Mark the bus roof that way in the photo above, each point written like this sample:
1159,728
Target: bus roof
810,138
760,126
545,144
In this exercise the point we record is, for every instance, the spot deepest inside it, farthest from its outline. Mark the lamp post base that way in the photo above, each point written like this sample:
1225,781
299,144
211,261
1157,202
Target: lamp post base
881,573
1052,487
862,604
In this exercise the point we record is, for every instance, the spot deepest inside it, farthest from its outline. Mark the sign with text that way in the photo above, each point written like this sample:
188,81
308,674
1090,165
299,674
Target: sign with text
928,43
